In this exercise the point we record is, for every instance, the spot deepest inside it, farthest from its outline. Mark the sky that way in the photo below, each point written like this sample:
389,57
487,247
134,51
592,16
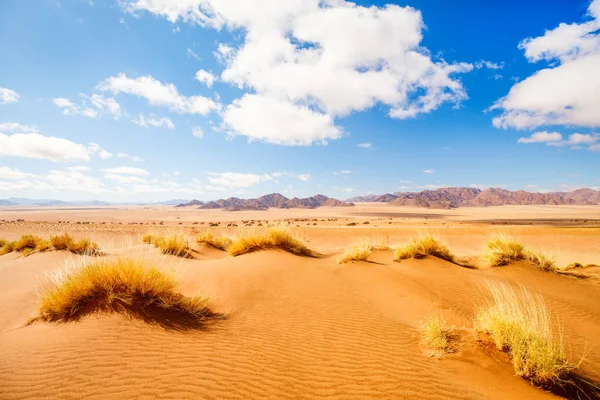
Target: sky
149,100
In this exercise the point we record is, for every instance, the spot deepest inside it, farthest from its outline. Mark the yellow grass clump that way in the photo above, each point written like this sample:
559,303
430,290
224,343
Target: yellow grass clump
425,245
216,242
435,334
174,244
82,247
28,244
502,249
540,260
115,285
519,323
279,238
6,247
359,252
147,238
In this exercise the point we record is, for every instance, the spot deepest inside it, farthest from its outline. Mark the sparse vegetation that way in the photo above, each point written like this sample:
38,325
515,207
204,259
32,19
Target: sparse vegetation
6,248
359,252
540,260
115,285
147,238
174,244
425,245
436,334
61,242
216,242
503,249
519,323
279,238
82,247
29,244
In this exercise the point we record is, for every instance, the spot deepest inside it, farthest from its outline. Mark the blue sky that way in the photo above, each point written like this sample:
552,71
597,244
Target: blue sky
155,99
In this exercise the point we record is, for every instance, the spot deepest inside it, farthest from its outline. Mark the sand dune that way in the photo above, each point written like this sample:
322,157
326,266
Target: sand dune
295,327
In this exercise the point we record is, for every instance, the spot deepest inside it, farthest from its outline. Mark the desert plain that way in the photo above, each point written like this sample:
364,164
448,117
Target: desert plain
298,327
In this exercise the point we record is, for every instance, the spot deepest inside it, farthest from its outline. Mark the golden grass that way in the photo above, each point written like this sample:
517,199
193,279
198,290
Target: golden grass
519,323
540,260
502,249
359,252
82,247
6,248
435,334
174,244
29,244
426,245
216,242
279,238
61,242
147,238
114,285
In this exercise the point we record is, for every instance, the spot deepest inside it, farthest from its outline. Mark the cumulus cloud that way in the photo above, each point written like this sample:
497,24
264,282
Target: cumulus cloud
130,157
8,96
488,64
304,177
16,127
575,140
101,105
205,77
281,122
197,132
11,173
158,94
153,121
35,145
127,171
566,93
234,180
328,58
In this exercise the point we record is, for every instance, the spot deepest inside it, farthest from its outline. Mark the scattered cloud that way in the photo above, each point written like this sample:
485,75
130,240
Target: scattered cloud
127,171
16,127
197,132
95,148
11,173
130,157
158,94
541,137
144,122
102,105
8,96
342,172
429,171
304,177
205,77
365,145
575,140
234,180
488,65
566,93
191,54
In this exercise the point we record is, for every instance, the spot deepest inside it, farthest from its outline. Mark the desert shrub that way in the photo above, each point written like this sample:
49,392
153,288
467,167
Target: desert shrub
540,260
359,252
6,248
28,244
2,242
175,245
425,245
61,242
267,239
351,224
216,242
519,323
147,238
502,249
84,247
436,334
114,285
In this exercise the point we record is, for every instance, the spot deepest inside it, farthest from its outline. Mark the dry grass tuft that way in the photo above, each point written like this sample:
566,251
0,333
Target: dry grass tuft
218,242
540,260
175,245
502,249
147,238
519,323
81,247
61,242
7,247
115,285
29,244
425,245
279,238
436,335
359,252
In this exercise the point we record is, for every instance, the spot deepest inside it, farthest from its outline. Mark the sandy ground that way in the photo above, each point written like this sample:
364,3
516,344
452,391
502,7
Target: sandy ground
297,327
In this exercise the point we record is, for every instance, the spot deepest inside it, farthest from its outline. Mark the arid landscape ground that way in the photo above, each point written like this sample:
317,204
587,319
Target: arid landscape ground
292,326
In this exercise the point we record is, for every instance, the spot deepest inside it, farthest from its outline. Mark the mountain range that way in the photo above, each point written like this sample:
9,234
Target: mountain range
273,200
473,197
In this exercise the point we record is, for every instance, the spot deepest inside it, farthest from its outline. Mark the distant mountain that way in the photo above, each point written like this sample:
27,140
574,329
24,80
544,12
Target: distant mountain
273,200
465,197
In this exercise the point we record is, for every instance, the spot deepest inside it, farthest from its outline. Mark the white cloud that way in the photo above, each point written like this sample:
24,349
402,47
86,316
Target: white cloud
158,94
280,122
11,173
541,137
347,190
342,172
16,127
103,105
197,132
8,96
329,58
34,145
124,179
127,171
95,148
152,121
205,77
304,177
567,93
429,171
488,64
235,180
190,53
130,157
365,145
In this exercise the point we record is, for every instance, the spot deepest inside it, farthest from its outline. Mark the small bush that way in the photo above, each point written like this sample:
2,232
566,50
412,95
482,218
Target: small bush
540,260
272,238
115,285
147,238
351,224
357,253
520,323
8,247
502,249
2,242
84,247
175,245
435,334
425,245
219,242
28,244
61,242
